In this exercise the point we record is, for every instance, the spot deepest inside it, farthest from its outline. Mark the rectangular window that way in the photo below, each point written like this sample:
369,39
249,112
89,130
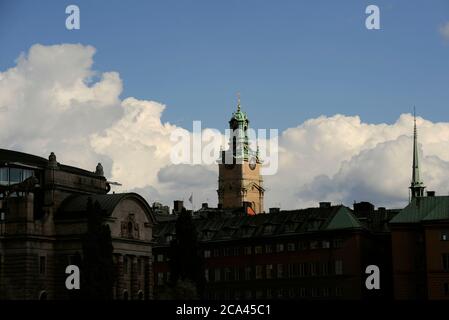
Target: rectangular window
291,246
268,248
206,253
338,267
227,252
125,265
15,175
444,235
139,266
247,251
247,273
206,274
269,271
314,245
258,250
280,271
160,278
4,176
337,243
227,274
217,274
160,258
302,270
325,269
313,269
216,252
259,272
280,247
338,292
42,265
326,244
445,258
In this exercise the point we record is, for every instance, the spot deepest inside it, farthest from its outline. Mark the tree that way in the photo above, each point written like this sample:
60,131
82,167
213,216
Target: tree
186,261
97,274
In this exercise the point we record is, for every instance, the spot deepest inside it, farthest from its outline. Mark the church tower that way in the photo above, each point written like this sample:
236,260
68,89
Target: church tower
417,186
239,181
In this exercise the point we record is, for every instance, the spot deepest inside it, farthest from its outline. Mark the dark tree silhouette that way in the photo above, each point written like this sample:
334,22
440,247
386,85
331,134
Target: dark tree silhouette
186,260
97,274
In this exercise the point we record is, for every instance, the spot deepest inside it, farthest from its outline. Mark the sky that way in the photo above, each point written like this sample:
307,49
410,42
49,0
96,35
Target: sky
341,95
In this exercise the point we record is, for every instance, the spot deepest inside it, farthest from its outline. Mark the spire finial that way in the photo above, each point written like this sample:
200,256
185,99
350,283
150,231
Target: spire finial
238,101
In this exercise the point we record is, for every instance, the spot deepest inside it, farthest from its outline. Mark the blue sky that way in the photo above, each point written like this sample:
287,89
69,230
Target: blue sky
291,60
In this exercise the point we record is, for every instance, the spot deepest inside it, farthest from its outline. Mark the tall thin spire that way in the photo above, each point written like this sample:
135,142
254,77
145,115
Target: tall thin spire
417,186
238,101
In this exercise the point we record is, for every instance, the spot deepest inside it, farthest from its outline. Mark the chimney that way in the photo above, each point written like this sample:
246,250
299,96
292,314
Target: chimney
325,204
431,193
204,205
177,206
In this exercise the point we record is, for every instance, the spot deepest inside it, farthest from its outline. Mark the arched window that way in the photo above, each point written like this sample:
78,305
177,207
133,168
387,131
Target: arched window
130,229
125,295
43,295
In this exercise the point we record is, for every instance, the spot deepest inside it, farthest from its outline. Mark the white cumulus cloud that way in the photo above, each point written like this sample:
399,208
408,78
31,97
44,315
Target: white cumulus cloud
52,100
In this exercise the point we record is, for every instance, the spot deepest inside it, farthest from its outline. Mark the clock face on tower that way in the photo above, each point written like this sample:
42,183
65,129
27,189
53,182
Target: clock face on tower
252,163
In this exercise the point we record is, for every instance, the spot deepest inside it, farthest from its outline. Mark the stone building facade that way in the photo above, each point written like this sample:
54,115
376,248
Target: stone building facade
43,219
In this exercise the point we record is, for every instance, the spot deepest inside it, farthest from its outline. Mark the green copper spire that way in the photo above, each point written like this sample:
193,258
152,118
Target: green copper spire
417,186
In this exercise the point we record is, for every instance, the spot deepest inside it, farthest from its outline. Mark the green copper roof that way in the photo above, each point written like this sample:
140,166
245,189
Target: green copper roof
424,209
239,116
343,219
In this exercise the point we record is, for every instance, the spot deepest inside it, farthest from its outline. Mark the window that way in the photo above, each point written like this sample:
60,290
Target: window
139,266
268,229
444,235
259,273
445,258
42,265
302,270
160,278
247,273
337,243
227,252
280,271
206,253
247,251
326,244
268,248
206,274
227,274
125,265
269,271
338,267
280,247
217,274
314,269
325,269
258,250
291,246
338,292
216,252
303,245
4,176
159,257
314,245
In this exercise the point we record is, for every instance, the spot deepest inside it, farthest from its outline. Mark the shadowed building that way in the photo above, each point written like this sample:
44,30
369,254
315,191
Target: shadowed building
315,253
420,241
44,218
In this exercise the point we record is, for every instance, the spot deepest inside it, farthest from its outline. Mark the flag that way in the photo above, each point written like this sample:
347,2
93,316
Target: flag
191,198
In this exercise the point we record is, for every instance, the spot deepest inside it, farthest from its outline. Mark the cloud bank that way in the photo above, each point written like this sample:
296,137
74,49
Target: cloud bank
444,31
52,100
